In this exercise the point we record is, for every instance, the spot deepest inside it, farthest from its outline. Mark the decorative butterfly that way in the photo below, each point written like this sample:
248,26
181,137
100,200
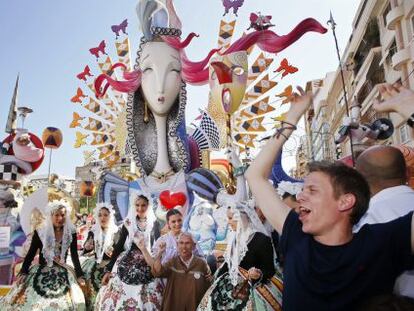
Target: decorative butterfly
260,22
86,72
80,139
232,4
100,48
287,93
78,97
285,68
121,27
76,120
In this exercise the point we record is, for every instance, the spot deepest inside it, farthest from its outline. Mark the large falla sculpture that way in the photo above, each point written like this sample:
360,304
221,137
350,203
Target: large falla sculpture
155,109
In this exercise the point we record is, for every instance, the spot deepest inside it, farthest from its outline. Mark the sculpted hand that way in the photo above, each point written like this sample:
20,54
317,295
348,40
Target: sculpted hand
395,99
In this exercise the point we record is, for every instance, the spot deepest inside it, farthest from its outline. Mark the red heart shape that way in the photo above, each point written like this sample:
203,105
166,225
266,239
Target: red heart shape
170,200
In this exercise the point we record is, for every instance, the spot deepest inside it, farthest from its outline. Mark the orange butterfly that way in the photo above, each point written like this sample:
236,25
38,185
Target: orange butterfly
86,72
76,120
287,93
285,68
78,97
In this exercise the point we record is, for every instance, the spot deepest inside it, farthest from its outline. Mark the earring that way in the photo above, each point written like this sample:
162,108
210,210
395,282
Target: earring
146,118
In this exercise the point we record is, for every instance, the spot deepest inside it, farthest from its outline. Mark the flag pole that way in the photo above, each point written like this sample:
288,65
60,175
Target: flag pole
332,23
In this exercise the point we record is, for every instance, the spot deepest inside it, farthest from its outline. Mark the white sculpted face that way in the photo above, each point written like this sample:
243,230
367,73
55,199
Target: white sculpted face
161,81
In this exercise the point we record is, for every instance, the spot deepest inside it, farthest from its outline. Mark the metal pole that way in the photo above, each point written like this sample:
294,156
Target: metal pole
50,163
331,22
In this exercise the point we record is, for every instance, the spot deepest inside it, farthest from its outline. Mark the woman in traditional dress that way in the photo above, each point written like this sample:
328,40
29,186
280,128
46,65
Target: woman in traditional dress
246,280
131,285
98,249
50,285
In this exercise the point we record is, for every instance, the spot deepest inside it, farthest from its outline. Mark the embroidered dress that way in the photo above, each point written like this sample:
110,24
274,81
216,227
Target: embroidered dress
133,287
47,287
98,248
265,294
94,272
249,246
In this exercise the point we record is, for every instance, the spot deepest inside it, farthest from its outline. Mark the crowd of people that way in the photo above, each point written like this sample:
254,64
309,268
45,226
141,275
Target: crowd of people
342,240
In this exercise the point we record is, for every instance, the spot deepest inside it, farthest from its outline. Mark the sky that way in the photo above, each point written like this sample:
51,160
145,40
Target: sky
47,43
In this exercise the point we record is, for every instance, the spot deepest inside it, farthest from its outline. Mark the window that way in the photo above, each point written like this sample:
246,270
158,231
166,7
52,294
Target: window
412,24
404,134
391,51
384,15
340,102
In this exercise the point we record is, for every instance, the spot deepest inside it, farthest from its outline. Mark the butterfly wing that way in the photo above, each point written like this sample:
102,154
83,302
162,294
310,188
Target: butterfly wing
79,93
292,69
81,76
94,52
102,47
87,71
80,139
124,24
76,120
282,65
253,17
76,99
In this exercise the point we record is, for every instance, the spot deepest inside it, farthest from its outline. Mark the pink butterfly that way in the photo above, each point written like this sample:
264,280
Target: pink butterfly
100,48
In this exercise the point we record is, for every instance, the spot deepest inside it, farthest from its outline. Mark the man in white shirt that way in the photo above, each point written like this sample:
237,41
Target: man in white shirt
385,170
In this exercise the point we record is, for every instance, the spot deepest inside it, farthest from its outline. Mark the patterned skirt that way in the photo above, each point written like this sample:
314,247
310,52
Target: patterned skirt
46,289
93,274
132,288
222,295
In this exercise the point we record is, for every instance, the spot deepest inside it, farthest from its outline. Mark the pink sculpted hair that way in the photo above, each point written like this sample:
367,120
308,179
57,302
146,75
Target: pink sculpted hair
197,72
190,71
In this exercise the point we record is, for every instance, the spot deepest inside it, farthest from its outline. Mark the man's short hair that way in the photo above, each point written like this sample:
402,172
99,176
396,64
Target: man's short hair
188,235
345,180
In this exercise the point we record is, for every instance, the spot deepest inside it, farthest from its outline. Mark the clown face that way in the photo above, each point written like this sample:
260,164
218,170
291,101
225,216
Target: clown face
228,80
161,81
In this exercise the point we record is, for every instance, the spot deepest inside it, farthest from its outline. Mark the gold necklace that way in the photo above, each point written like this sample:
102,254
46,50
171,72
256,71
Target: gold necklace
162,177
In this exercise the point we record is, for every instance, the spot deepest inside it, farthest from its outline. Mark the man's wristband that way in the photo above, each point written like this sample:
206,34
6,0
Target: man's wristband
410,121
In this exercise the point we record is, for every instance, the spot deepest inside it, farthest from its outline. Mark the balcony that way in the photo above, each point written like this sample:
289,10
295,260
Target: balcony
400,58
394,16
364,67
368,90
370,40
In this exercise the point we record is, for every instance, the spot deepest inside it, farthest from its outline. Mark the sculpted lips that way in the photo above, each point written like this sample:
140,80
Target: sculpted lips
161,99
226,99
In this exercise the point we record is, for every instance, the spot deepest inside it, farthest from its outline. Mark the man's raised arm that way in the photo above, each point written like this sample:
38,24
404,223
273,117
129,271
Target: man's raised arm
259,171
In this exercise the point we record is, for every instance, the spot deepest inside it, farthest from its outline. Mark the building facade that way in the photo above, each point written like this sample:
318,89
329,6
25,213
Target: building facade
380,49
